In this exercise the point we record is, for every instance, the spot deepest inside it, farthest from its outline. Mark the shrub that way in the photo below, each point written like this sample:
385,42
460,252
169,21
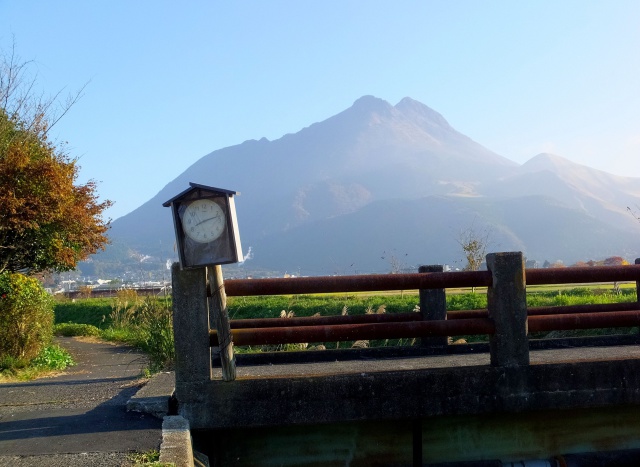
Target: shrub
94,311
26,317
75,329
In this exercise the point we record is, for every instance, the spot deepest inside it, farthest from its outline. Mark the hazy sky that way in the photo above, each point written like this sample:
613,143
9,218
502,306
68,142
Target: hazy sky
169,82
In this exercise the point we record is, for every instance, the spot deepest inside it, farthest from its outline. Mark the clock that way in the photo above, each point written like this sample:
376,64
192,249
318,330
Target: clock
203,220
206,227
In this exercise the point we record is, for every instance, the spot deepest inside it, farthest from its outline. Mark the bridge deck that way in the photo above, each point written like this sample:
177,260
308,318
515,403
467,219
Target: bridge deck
537,357
416,387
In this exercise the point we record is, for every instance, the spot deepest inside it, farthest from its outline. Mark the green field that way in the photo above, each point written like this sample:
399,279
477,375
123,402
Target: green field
359,303
99,311
143,322
137,321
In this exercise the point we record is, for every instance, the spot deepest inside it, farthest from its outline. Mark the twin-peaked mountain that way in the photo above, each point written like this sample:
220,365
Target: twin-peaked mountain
379,185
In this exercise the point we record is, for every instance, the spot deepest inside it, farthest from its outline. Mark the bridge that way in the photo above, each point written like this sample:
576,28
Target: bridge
511,399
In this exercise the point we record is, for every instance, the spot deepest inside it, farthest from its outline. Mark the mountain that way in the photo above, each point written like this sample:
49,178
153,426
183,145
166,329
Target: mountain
379,184
594,192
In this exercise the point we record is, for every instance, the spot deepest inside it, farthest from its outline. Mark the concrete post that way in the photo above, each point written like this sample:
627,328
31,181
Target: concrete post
433,306
507,304
190,326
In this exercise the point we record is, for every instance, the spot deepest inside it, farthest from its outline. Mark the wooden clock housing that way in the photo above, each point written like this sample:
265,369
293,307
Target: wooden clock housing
224,249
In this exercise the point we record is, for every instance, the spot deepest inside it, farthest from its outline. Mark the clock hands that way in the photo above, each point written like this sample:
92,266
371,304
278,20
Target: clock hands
217,216
204,221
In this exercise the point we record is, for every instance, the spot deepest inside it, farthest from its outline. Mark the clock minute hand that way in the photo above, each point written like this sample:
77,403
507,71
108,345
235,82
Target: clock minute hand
206,220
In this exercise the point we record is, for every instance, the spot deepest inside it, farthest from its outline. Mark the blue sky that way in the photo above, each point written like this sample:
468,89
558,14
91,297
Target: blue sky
169,82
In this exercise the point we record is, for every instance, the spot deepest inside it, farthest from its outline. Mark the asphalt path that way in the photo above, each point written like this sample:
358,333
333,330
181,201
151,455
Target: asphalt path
78,417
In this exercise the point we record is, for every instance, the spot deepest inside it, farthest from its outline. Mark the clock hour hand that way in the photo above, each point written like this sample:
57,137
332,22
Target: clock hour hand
195,217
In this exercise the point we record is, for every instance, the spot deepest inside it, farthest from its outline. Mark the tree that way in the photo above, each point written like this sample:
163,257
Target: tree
474,244
48,222
615,261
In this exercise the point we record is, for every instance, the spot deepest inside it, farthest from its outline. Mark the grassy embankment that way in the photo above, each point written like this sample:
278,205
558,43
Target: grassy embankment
146,323
142,322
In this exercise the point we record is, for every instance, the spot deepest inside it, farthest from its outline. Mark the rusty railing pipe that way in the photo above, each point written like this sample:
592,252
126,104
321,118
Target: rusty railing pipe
553,310
353,332
362,283
397,330
614,319
324,320
583,275
415,281
412,316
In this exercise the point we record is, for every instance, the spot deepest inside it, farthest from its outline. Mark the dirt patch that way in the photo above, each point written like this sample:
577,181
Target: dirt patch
95,340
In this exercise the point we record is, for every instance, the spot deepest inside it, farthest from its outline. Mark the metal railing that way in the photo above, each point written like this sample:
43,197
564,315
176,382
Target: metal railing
408,325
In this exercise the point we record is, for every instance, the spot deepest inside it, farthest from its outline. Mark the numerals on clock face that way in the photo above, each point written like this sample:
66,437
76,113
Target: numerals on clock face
203,220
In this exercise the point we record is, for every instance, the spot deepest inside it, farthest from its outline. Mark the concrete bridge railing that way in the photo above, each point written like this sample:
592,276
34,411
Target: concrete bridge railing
506,382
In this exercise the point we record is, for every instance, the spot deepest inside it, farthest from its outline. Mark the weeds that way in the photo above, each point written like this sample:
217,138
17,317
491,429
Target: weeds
144,323
150,458
283,347
157,326
51,358
147,323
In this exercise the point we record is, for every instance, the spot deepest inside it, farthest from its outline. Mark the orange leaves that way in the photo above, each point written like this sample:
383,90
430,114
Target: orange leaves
48,222
611,261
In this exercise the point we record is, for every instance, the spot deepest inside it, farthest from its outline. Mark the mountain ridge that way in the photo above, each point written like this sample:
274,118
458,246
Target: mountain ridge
330,174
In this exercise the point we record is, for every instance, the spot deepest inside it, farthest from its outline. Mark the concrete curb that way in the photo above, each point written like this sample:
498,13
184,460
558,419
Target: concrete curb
176,442
153,397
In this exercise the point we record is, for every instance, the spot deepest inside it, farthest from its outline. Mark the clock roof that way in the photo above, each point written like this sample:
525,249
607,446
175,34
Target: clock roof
203,188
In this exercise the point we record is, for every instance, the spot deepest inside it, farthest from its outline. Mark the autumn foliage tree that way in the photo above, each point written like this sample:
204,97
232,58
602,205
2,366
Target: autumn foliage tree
615,261
48,222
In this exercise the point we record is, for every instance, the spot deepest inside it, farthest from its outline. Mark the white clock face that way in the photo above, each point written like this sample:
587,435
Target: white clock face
203,221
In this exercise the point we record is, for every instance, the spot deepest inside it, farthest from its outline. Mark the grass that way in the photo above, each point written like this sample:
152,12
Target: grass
75,329
333,304
309,305
51,359
93,311
148,458
143,323
357,304
146,323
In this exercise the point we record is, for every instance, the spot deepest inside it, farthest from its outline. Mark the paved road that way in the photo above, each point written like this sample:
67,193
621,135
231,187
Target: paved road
78,418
